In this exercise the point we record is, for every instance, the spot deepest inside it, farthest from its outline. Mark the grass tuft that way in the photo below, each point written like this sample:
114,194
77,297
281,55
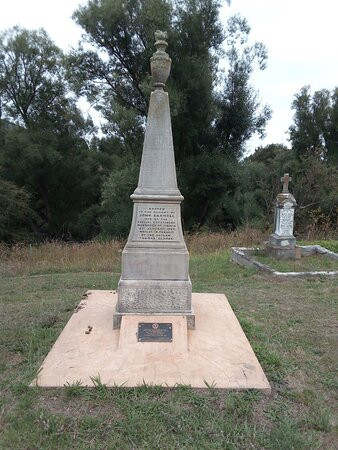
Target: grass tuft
74,389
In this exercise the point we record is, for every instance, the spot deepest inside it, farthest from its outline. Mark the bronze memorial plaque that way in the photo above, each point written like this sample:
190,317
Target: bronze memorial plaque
155,332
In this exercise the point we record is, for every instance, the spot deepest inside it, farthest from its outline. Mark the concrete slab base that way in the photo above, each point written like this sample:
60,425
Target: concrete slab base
217,352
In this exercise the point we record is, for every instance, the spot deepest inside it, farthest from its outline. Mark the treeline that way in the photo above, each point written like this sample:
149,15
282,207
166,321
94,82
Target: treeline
61,179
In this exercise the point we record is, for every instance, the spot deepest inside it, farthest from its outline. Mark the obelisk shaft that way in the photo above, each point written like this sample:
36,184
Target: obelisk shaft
158,172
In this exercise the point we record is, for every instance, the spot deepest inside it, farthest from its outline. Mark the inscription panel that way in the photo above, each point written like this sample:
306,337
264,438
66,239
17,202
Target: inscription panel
149,299
155,332
156,223
286,222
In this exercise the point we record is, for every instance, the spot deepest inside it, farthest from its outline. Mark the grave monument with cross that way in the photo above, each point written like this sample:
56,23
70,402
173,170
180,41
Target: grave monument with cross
282,243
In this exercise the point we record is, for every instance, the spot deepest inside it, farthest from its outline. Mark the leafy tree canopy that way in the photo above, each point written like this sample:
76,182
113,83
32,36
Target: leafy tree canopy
114,71
315,127
43,147
30,74
15,212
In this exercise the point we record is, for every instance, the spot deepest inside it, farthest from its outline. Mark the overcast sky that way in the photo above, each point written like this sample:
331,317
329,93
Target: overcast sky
301,37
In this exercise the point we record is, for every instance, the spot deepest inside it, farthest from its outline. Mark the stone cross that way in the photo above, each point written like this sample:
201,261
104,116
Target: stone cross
285,180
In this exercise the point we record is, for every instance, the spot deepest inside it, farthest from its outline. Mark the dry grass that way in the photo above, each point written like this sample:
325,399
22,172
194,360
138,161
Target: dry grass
200,243
57,256
96,256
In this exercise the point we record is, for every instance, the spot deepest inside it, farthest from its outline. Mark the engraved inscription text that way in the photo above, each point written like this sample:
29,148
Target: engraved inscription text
286,222
156,223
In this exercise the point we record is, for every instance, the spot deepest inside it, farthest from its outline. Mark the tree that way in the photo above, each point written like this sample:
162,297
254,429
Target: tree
44,150
210,181
15,212
113,72
315,127
260,181
30,75
239,112
115,217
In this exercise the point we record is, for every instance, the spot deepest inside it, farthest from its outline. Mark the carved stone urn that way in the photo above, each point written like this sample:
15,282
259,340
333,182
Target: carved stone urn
160,63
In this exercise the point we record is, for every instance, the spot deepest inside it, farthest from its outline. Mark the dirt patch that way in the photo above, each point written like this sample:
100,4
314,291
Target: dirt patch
76,407
14,359
259,417
297,380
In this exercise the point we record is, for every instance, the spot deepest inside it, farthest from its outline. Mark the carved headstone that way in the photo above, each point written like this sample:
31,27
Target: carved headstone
282,243
155,261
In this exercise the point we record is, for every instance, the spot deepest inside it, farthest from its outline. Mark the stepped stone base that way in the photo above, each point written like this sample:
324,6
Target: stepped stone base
282,247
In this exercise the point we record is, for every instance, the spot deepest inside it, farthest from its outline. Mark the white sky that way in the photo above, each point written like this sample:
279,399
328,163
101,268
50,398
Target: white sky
301,37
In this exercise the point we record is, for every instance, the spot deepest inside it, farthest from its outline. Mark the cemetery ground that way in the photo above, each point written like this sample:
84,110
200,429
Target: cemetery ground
290,323
305,264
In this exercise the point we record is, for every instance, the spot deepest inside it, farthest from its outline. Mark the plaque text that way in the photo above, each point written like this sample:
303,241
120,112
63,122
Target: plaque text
156,223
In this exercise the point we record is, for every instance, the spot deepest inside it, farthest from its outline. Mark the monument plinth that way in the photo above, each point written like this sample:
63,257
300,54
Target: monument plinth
282,243
155,261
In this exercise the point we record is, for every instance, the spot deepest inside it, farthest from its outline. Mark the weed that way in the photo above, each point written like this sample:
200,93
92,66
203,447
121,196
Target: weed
74,389
288,435
100,389
320,420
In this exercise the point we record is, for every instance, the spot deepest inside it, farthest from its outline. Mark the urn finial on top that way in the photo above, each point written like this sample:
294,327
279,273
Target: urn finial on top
160,62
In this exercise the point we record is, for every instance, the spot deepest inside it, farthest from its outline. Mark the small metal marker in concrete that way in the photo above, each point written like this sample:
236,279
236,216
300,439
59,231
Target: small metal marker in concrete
155,332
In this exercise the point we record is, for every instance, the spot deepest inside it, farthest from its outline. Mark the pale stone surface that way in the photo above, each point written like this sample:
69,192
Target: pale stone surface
308,250
157,171
217,351
284,222
154,296
156,223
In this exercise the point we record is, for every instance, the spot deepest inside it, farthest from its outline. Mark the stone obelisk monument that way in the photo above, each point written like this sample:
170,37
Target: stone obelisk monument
155,261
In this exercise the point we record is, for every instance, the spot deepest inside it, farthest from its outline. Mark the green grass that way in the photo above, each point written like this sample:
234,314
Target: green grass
306,264
290,324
